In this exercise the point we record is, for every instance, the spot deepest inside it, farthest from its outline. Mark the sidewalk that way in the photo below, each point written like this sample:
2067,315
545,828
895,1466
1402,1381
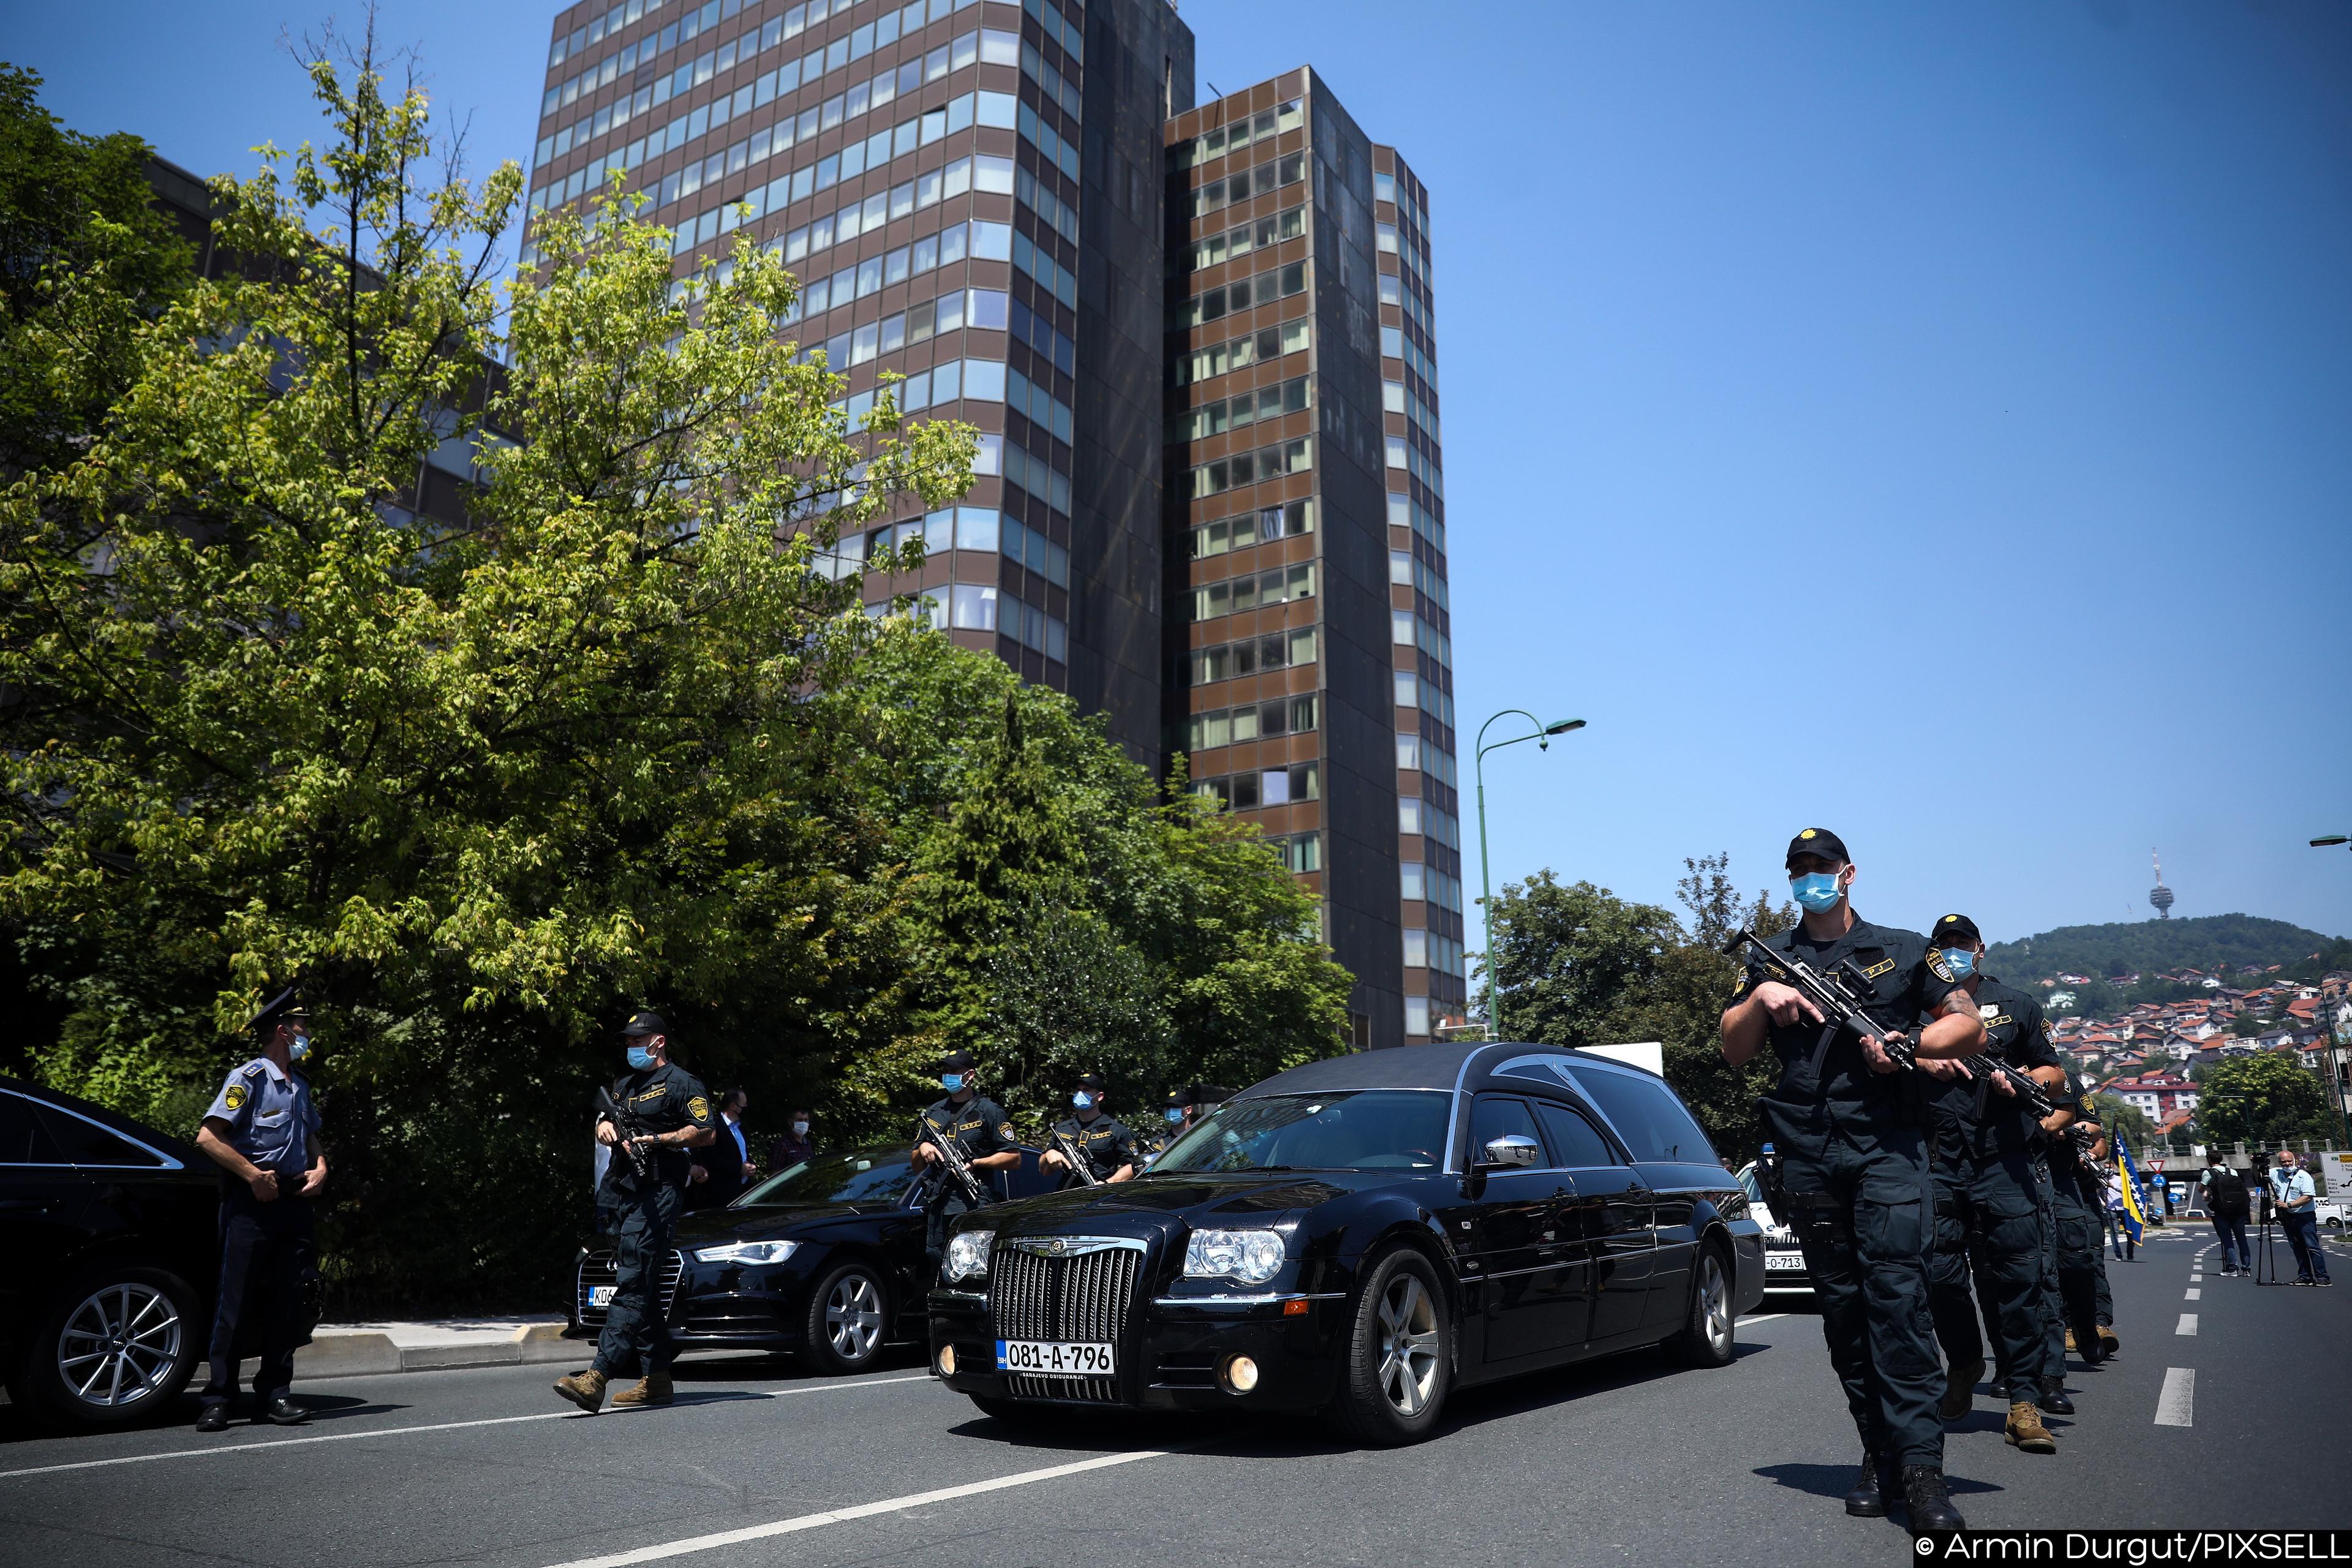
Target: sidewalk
351,1350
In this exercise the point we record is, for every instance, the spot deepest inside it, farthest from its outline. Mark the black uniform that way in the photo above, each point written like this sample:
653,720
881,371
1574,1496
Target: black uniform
1853,1146
978,1127
1105,1141
641,1216
2079,1243
1988,1198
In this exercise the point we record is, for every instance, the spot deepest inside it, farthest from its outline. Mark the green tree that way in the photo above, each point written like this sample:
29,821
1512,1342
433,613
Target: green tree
2261,1100
2127,1119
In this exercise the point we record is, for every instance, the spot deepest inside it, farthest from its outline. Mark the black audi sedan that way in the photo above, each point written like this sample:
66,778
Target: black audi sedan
824,1260
1363,1235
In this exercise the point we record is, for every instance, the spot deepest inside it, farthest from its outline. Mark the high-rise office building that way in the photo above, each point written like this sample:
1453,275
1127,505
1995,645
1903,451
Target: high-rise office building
1196,342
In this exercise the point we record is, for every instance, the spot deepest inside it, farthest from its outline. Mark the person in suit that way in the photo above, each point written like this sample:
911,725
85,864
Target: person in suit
726,1168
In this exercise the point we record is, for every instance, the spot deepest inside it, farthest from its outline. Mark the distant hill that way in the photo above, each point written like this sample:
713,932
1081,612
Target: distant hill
2152,947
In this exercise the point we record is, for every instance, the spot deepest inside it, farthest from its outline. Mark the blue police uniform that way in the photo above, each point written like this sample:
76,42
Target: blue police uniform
266,1248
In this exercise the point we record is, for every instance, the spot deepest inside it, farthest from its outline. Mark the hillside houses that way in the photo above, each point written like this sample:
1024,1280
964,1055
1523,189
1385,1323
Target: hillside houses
2143,1055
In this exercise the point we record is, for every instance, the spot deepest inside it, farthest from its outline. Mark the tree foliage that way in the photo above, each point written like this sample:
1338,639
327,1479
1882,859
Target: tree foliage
2262,1101
2211,943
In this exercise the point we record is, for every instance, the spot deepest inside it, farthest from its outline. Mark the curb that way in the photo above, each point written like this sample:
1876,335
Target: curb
368,1353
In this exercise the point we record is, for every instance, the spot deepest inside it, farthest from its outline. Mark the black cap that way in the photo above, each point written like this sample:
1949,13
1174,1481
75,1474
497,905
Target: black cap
645,1024
1954,931
1199,1094
1090,1081
957,1061
284,1007
1818,841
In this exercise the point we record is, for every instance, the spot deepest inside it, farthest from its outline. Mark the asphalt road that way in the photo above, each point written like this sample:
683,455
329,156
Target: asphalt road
1628,1460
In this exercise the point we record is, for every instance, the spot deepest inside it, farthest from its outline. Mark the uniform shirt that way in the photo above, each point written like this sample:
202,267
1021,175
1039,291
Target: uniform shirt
1105,1141
270,1115
659,1099
1906,983
978,1126
2015,1033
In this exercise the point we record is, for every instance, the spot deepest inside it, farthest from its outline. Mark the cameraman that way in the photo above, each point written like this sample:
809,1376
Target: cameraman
2293,1195
2227,1206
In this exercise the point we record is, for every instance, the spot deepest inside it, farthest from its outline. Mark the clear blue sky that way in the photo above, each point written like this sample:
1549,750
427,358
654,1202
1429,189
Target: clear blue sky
1932,423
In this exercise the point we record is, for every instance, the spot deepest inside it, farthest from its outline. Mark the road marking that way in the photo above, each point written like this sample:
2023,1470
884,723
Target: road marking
862,1510
2177,1406
2188,1323
2191,1294
405,1431
1763,1317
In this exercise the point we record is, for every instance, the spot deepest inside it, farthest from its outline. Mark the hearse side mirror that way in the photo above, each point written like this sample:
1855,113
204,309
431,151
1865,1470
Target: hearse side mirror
1513,1150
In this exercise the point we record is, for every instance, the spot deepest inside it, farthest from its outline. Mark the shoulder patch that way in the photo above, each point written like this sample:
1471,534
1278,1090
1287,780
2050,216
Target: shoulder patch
1005,1130
233,1097
1935,966
698,1107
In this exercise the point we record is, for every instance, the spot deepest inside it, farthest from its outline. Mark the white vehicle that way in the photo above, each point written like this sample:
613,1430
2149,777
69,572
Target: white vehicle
1784,1264
2329,1212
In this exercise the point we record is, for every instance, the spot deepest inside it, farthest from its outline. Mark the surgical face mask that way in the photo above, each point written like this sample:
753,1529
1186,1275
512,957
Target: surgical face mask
1816,892
1083,1100
640,1058
1960,962
800,1129
300,1049
1175,1118
951,1081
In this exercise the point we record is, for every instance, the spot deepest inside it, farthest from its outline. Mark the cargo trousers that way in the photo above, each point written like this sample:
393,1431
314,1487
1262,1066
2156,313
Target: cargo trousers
642,1225
1989,1225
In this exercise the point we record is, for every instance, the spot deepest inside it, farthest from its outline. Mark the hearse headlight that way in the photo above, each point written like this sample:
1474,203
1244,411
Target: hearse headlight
1252,1256
968,1254
747,1252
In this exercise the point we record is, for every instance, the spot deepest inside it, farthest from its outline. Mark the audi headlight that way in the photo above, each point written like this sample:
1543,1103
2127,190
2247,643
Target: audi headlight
1252,1256
747,1252
968,1254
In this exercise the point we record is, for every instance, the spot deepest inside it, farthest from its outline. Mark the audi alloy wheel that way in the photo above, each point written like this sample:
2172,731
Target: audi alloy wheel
848,1319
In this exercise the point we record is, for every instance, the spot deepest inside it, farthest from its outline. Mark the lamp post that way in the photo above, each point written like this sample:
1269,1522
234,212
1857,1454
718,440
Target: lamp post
2334,1044
1542,734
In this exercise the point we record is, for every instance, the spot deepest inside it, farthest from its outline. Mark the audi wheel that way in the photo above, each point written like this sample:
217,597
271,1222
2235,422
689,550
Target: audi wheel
848,1319
116,1345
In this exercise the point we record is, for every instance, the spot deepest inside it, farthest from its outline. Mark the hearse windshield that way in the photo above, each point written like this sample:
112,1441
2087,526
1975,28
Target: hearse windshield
1346,1129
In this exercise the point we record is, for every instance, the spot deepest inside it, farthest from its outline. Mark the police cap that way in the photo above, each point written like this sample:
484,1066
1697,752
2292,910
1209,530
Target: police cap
957,1061
645,1024
1818,841
286,1006
1090,1081
1198,1094
1954,931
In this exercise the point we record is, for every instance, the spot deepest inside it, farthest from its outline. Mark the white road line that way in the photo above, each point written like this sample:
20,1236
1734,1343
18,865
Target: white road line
862,1510
2188,1323
2177,1406
405,1431
1763,1317
2191,1294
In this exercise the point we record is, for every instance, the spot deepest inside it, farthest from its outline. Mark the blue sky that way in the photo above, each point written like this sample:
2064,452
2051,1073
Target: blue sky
1931,422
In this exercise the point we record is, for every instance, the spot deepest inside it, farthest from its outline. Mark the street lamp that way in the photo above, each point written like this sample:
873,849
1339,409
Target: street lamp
1541,735
2330,841
2334,1043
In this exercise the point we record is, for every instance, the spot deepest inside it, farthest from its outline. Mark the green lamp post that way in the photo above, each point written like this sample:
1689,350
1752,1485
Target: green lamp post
1541,734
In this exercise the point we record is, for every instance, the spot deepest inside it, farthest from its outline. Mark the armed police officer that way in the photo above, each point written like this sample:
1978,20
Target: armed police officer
262,1130
1100,1139
2080,1235
1185,1107
975,1127
1853,1167
1984,1146
652,1115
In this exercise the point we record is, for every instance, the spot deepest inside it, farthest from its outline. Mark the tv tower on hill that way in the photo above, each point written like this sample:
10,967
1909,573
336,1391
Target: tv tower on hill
2161,895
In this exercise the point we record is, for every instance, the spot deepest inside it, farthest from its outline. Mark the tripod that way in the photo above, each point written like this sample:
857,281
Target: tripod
2266,1261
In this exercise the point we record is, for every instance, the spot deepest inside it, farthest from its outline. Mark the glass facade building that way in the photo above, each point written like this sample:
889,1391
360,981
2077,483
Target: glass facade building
1196,342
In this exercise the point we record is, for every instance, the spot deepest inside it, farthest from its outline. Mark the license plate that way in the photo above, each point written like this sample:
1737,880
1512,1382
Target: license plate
601,1295
1784,1262
1041,1358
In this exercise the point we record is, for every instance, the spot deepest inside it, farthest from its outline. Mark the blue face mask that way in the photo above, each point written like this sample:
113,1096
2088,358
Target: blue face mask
1816,892
300,1049
1174,1117
1083,1100
640,1058
1960,962
951,1081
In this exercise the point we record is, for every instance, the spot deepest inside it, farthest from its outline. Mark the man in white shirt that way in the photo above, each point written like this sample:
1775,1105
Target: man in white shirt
2293,1195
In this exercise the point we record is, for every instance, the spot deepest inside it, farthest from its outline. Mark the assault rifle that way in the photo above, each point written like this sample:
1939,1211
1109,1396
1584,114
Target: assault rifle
1082,1167
1841,996
2029,1092
630,1130
955,1164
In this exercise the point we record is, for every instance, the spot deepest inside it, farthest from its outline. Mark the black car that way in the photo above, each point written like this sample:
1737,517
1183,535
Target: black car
111,1233
824,1258
1361,1235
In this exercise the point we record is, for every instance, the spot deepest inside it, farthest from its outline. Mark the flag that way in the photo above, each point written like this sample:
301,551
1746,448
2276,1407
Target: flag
2129,1178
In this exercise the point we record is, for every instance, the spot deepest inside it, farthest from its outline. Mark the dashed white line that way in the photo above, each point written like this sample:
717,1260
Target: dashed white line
862,1510
2191,1294
2188,1323
2177,1406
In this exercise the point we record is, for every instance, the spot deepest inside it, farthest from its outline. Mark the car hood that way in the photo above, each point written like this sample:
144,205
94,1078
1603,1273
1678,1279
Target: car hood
769,1224
1155,1203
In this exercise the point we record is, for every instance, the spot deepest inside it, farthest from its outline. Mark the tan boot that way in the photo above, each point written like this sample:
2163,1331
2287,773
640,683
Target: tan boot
585,1389
1960,1388
2026,1431
655,1389
2107,1340
2070,1341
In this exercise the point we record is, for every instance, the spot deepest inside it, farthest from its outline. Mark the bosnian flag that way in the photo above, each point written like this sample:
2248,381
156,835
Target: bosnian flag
2129,1176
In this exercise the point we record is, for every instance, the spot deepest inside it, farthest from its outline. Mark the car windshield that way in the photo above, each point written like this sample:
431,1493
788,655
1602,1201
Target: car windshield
1347,1130
857,1176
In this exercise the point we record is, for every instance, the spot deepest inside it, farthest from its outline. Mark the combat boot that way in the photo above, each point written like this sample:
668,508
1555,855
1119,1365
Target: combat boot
1960,1388
2025,1429
1931,1507
2107,1341
585,1389
2070,1343
655,1389
1868,1498
2053,1397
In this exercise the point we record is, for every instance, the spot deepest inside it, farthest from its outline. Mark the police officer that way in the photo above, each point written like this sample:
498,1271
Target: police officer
262,1130
1186,1107
1855,1166
663,1111
1101,1139
978,1128
1988,1202
2079,1235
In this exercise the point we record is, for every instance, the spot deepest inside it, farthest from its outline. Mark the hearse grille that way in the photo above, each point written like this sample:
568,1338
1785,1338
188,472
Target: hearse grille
1083,1295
